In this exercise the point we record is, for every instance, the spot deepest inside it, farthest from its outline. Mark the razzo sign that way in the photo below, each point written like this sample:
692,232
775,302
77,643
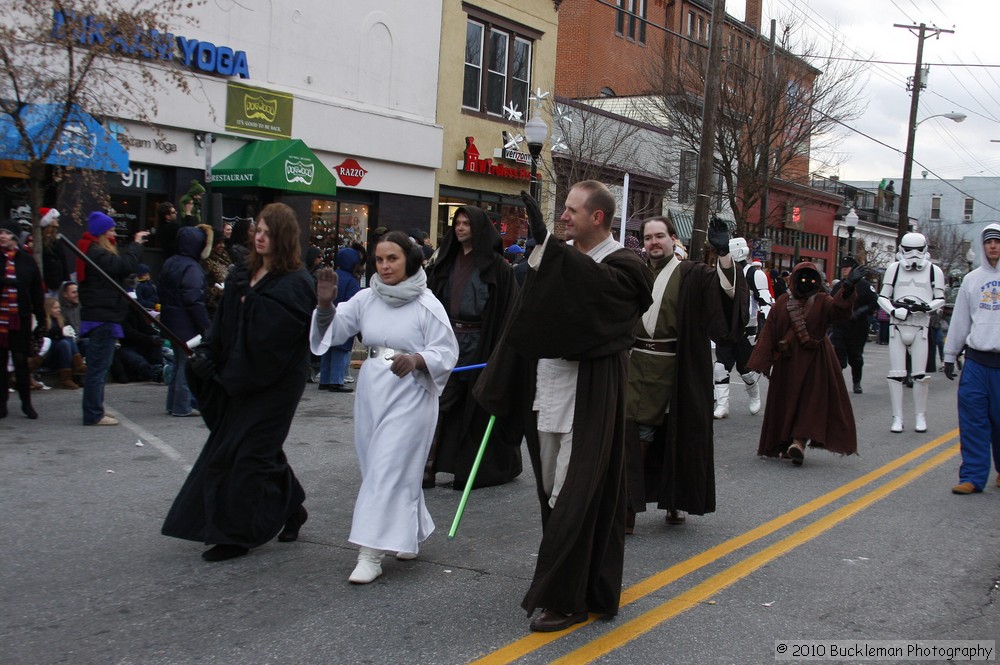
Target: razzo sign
151,44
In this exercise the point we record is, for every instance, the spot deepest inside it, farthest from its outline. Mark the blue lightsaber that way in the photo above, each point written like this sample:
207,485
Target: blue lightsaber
468,368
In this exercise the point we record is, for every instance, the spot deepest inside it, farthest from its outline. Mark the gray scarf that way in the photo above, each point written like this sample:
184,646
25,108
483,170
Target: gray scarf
397,295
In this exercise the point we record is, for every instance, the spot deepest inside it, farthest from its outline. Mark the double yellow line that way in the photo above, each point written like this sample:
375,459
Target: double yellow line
671,608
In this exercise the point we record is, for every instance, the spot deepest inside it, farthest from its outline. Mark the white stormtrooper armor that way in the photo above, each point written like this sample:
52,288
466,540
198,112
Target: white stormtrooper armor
729,355
913,287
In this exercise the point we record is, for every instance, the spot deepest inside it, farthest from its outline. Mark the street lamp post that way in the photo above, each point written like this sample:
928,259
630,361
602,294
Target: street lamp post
903,227
851,221
535,131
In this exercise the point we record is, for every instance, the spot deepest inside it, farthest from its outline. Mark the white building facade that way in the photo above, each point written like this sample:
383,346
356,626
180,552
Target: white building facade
355,81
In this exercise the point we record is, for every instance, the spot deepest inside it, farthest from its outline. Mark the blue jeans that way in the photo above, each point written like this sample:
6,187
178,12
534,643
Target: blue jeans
179,401
978,422
333,367
100,353
60,356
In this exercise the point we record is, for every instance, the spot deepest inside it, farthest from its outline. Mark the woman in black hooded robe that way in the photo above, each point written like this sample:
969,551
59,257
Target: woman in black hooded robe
248,381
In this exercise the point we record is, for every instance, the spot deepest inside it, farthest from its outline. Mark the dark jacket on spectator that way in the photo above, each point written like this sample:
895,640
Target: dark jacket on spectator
182,284
100,301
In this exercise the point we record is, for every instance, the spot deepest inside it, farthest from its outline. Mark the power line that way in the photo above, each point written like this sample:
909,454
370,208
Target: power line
961,106
903,152
974,98
910,64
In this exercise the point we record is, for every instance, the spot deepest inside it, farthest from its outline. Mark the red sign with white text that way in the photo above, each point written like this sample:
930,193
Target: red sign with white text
473,163
350,172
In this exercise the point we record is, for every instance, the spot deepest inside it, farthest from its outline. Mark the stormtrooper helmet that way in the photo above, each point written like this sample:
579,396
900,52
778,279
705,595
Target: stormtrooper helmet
739,249
913,251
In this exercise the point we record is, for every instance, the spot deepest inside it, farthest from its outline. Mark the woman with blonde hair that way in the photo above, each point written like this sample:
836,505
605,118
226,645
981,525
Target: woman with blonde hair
248,378
63,354
103,307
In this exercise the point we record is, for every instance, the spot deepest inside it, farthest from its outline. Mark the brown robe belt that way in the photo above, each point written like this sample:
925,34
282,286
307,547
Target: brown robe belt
466,326
656,346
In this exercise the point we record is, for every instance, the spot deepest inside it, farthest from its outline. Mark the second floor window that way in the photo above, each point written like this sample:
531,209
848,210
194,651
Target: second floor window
936,207
630,20
497,69
969,201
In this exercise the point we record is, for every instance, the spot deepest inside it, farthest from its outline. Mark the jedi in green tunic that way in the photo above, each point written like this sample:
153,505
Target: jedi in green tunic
670,382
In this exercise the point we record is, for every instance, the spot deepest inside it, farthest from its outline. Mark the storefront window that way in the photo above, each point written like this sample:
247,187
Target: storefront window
336,224
134,198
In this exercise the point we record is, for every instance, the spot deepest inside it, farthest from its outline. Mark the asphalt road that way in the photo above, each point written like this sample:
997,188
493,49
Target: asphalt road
870,547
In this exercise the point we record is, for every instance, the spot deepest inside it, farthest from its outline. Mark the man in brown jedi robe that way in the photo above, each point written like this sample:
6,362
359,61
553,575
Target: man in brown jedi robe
807,400
670,446
560,373
470,277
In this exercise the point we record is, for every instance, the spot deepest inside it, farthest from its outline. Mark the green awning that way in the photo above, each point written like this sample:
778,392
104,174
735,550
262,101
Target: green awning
683,224
282,164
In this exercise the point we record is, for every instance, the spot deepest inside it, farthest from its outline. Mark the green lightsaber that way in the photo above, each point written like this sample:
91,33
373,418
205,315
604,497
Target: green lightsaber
471,479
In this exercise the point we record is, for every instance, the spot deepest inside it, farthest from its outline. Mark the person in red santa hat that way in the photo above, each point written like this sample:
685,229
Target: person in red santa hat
55,264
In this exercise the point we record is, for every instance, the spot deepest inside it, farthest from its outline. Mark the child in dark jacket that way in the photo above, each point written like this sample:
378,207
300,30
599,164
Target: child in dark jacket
183,312
145,288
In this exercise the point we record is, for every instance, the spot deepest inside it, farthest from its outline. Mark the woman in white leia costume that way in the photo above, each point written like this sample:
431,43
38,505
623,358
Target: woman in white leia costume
411,352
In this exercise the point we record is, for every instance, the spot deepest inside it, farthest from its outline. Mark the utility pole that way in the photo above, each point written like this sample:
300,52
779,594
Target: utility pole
706,156
923,32
768,128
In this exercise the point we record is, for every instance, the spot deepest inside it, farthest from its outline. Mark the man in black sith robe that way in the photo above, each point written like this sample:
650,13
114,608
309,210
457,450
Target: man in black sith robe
560,374
470,277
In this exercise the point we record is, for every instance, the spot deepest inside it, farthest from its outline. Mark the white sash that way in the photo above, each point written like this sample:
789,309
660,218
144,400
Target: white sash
659,288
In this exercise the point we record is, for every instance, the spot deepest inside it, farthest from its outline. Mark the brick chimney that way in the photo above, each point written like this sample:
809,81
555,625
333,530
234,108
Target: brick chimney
752,14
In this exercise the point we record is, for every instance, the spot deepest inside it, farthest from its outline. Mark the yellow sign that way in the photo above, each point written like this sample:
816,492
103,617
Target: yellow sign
258,111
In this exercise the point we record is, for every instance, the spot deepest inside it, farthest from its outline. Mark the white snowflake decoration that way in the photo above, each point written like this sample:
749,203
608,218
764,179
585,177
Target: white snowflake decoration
512,113
562,114
513,141
538,96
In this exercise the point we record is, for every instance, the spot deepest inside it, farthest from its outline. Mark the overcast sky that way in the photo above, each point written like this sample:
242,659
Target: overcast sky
947,148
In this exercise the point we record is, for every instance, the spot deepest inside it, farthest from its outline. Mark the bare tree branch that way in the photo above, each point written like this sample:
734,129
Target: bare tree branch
782,110
98,56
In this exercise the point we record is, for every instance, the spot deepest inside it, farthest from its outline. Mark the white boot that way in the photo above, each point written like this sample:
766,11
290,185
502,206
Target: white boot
752,381
896,398
721,401
753,392
920,389
369,566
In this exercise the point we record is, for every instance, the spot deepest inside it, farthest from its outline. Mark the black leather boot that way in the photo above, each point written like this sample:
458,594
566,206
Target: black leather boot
23,378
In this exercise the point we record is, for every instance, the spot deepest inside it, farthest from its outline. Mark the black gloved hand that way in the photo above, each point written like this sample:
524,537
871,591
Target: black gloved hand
203,366
238,281
718,236
857,274
949,371
535,221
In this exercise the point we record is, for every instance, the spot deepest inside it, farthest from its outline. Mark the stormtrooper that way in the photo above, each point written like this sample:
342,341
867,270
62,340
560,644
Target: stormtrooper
728,355
913,287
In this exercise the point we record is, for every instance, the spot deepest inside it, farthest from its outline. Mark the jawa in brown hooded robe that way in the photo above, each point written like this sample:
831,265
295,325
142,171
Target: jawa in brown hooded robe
807,400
